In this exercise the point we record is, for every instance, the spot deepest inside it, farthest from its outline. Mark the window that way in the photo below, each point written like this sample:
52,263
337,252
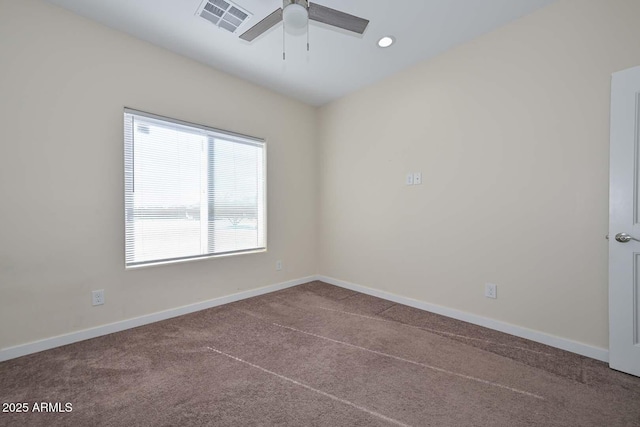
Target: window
190,191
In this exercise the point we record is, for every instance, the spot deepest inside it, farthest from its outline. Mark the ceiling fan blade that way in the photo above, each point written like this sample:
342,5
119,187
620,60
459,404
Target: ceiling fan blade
262,26
336,18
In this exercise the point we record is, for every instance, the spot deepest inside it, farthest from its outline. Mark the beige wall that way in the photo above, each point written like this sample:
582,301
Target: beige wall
64,82
511,133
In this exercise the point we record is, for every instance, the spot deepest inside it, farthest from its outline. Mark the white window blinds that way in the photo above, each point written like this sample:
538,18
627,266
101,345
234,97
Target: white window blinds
190,191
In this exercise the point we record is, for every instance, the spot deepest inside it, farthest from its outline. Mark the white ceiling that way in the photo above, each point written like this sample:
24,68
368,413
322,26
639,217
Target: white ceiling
338,63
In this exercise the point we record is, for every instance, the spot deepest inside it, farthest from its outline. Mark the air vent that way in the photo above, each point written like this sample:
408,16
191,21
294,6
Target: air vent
223,14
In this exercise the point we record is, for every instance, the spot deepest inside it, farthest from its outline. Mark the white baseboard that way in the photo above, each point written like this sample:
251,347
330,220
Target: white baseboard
60,340
530,334
541,337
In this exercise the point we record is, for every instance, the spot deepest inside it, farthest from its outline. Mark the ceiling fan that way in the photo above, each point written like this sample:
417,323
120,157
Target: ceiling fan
296,15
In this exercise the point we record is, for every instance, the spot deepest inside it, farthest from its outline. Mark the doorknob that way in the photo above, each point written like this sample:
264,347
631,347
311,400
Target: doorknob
625,238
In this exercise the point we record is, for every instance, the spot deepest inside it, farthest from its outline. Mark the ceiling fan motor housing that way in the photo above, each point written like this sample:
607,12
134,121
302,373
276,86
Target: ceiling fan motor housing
296,16
303,3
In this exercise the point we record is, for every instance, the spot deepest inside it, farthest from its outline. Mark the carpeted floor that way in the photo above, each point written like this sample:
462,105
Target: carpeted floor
316,355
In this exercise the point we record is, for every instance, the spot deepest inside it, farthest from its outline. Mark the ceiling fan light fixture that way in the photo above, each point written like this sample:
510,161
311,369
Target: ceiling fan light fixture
295,18
386,41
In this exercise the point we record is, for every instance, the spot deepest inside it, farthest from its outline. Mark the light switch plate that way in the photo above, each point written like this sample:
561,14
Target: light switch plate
409,180
417,178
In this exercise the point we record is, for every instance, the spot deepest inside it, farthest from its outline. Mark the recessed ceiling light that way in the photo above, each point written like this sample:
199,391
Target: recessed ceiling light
386,41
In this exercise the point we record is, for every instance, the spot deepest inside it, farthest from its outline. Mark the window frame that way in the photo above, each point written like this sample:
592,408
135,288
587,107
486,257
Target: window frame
210,131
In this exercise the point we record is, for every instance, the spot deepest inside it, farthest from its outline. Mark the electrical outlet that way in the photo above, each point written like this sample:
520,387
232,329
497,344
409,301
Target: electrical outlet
491,290
98,297
278,265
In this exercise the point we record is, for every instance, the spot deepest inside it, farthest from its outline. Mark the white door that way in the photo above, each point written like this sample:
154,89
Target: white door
624,223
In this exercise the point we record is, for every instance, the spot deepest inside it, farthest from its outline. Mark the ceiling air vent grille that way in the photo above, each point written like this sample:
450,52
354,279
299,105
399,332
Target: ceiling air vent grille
223,14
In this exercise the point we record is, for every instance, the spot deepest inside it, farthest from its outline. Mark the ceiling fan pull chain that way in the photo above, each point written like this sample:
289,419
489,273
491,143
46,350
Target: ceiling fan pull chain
284,55
308,31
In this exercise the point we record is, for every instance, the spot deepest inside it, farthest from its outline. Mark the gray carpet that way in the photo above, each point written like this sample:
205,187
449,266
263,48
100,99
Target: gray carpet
316,355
